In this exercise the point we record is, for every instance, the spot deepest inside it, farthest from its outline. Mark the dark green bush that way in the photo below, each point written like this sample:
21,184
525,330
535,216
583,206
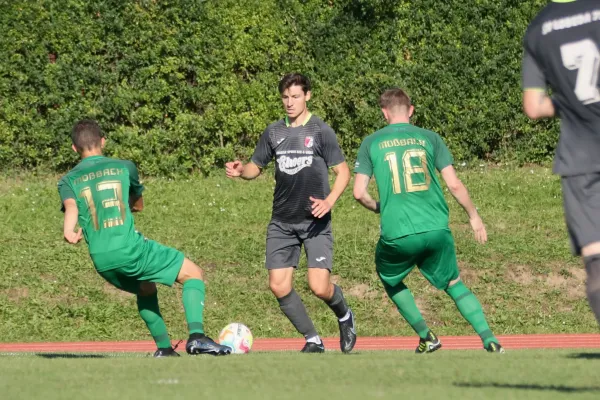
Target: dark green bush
185,85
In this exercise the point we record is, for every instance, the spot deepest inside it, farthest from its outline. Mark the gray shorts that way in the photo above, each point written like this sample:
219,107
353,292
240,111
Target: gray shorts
581,197
285,240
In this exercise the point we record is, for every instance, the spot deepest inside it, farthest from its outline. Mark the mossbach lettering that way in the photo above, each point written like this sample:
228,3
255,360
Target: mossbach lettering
401,142
571,21
99,174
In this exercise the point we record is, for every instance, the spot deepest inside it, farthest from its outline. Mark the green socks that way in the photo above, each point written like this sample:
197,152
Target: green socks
471,310
193,304
150,313
404,300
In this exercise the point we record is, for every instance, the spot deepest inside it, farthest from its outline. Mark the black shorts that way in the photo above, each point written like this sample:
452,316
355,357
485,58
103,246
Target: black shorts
581,197
285,240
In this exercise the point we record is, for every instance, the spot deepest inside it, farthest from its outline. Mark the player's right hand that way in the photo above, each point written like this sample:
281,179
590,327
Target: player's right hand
478,229
234,168
74,237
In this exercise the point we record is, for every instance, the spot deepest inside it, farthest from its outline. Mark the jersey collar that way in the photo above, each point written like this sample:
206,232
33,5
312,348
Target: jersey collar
287,121
90,158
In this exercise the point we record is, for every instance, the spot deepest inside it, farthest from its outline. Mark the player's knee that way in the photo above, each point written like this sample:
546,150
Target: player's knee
189,270
453,282
592,267
322,290
280,287
147,289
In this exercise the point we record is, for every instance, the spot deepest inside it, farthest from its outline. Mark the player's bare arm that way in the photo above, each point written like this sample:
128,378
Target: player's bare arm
537,104
361,193
321,207
136,204
237,169
71,214
460,193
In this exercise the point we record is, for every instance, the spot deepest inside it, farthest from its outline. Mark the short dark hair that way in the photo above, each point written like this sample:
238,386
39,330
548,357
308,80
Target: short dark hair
393,98
86,135
294,79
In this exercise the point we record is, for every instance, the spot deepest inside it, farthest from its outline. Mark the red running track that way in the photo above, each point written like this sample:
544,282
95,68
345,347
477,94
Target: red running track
562,341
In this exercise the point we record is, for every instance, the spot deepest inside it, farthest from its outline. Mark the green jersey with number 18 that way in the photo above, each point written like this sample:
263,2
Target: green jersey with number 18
403,159
101,187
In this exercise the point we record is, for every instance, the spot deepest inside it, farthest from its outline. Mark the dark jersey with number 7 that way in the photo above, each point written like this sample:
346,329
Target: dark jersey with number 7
562,51
101,187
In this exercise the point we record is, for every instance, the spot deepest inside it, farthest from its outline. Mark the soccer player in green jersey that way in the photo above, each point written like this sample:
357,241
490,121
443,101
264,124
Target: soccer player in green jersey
101,193
414,216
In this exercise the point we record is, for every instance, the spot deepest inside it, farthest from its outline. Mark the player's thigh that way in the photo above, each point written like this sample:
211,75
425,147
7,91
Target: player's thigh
395,259
581,201
159,263
122,279
283,246
317,238
438,264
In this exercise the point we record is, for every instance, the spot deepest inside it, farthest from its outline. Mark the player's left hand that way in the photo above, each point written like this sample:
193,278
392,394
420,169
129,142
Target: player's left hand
320,208
74,237
478,229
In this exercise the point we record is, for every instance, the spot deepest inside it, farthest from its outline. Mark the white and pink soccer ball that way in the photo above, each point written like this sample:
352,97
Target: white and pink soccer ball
236,336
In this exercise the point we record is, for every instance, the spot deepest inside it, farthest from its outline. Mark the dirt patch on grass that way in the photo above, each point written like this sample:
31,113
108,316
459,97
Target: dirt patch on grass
16,294
335,279
362,291
520,274
468,275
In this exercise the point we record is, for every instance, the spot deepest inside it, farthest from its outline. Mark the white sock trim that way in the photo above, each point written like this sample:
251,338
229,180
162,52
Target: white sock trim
345,317
314,339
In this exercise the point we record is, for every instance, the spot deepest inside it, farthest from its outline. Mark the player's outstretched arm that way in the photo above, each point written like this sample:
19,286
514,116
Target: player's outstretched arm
235,169
460,193
71,214
361,193
537,104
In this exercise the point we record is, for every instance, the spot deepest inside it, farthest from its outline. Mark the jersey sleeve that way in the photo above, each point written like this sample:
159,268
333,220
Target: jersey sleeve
330,148
364,164
443,157
531,74
135,186
263,153
65,191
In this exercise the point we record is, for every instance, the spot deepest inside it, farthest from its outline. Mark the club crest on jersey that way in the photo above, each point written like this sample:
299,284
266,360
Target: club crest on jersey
309,141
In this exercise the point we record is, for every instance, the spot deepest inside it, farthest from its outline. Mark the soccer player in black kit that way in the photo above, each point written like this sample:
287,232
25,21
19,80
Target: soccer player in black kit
562,53
304,147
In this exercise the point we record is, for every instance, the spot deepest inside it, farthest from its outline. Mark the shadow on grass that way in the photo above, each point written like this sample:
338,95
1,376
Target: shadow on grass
524,386
585,356
69,355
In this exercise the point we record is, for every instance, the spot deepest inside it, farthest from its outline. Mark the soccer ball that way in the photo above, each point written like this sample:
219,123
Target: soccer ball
238,337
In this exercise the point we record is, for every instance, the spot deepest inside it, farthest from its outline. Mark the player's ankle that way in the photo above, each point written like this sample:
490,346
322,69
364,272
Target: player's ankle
196,335
314,339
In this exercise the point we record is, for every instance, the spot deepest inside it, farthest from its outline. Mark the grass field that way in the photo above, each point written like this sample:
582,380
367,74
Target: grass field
530,374
525,276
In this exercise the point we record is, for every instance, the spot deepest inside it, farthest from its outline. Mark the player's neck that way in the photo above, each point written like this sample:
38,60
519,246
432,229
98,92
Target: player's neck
299,120
399,120
91,153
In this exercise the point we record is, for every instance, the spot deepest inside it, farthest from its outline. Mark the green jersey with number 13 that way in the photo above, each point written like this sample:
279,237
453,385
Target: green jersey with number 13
101,186
403,159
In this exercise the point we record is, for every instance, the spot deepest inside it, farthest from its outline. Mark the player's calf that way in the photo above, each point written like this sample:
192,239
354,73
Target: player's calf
592,267
471,310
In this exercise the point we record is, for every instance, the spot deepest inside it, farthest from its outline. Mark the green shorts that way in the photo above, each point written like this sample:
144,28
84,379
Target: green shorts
433,252
157,263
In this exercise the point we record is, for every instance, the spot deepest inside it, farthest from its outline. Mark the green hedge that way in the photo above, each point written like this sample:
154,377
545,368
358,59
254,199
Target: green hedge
183,85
